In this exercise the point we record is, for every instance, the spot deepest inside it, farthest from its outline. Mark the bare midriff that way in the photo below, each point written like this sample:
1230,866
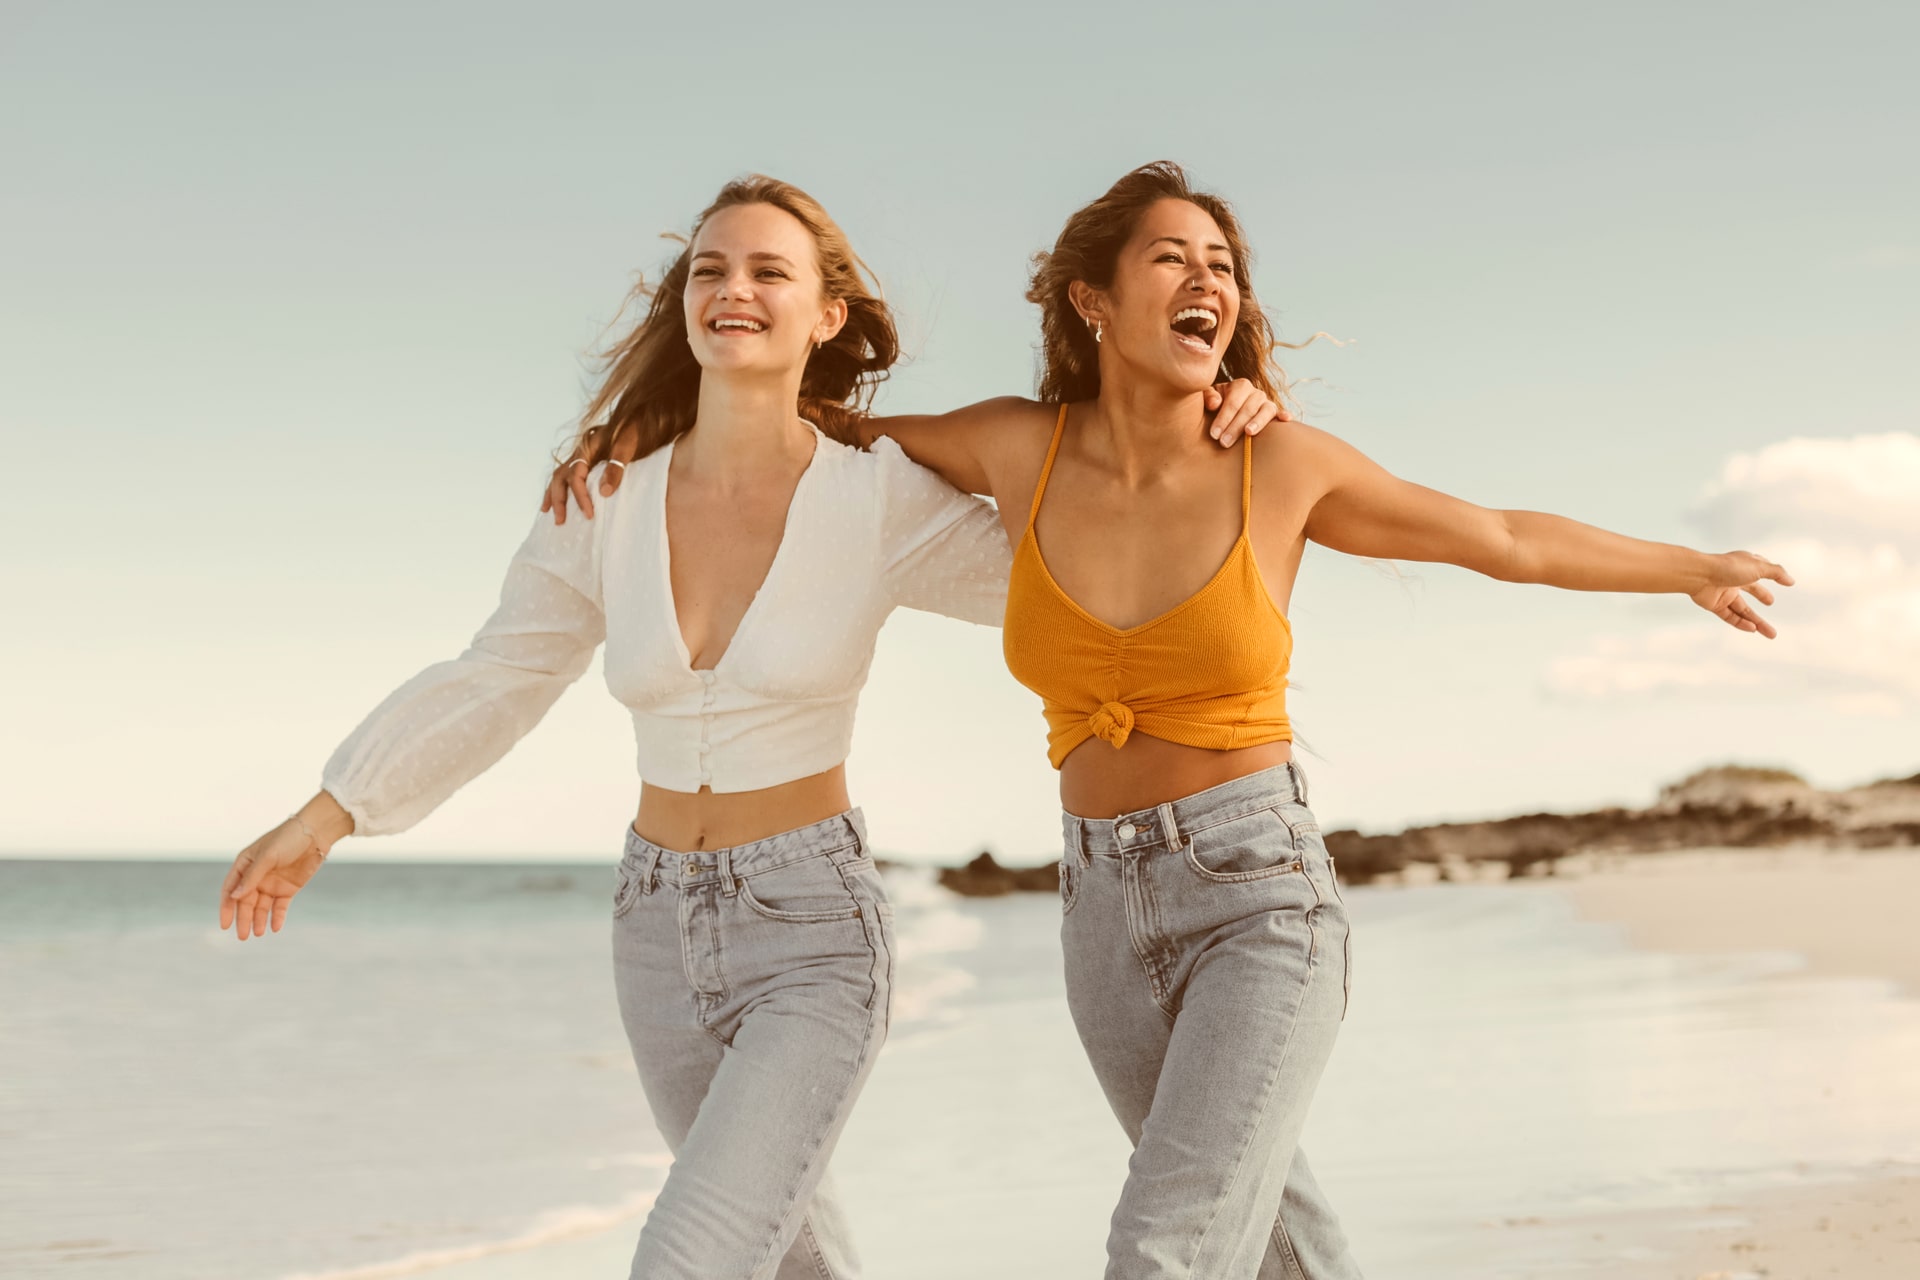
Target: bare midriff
1101,781
689,821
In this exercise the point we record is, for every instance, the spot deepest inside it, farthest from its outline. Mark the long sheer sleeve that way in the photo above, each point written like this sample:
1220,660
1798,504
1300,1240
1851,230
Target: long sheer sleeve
450,723
945,551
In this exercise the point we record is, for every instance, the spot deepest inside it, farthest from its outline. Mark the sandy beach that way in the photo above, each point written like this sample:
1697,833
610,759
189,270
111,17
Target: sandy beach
1848,913
1844,914
1626,1074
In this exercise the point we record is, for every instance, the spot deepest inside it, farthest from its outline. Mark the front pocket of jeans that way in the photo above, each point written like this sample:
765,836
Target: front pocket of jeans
1253,846
1071,873
811,891
626,891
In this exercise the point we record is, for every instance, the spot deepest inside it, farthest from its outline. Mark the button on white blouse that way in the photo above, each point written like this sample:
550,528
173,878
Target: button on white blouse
866,532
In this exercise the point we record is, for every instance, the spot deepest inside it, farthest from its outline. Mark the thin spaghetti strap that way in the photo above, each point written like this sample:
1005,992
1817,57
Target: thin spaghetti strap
1246,485
1040,489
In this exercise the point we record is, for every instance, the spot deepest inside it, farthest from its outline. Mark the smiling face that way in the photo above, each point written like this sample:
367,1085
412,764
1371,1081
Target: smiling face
755,301
1174,300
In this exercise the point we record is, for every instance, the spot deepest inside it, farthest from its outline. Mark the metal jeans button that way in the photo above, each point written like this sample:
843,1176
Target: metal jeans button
1126,831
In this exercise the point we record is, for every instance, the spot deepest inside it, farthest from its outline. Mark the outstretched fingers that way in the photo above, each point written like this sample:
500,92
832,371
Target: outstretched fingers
1743,615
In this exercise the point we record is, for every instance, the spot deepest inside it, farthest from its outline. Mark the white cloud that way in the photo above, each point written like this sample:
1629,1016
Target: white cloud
1844,517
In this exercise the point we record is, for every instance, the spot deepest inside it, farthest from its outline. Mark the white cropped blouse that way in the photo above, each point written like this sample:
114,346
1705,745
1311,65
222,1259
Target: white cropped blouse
866,531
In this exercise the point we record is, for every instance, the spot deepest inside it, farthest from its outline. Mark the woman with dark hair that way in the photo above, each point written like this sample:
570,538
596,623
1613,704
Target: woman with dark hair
1206,943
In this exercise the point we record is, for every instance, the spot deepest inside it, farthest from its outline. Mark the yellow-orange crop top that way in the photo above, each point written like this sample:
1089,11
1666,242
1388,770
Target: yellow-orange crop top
1210,672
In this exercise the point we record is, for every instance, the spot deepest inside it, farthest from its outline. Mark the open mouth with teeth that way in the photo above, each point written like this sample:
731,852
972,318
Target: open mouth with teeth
1196,327
731,325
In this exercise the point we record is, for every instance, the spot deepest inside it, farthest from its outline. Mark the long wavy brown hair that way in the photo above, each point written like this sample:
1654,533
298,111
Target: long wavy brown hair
651,382
1089,250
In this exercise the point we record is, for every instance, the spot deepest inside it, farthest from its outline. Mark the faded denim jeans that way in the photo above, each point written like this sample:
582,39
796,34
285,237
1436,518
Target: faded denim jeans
1206,957
754,985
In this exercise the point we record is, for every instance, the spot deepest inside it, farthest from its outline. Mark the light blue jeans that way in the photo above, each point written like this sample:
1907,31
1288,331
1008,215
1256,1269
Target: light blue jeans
754,984
1206,956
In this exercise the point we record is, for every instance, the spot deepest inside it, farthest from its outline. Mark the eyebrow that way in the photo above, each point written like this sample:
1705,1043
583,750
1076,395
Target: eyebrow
752,257
1182,243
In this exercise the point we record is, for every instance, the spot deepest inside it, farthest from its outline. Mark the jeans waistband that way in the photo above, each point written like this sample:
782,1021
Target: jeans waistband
1165,825
723,866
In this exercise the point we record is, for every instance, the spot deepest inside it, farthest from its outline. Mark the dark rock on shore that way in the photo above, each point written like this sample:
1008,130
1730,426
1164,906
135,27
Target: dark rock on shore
1731,806
985,878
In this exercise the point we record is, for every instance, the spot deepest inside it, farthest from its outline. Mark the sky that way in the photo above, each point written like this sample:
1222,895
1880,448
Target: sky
294,304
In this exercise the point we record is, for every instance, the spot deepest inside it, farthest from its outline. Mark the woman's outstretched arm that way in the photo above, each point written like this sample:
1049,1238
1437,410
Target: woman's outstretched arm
442,728
959,446
1364,510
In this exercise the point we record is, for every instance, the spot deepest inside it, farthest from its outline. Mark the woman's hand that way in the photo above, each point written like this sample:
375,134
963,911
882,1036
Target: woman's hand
267,873
1733,573
1240,408
570,477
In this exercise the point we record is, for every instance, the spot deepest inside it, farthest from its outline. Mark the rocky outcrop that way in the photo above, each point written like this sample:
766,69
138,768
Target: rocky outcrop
1731,806
985,878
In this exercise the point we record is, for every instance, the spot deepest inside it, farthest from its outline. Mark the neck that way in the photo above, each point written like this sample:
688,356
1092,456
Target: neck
1145,426
743,425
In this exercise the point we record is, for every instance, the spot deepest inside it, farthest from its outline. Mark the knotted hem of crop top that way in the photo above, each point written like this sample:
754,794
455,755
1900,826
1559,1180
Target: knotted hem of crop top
1167,728
1112,723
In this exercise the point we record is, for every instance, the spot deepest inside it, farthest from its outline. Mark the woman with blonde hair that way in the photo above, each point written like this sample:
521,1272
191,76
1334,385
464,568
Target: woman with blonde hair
738,584
1206,943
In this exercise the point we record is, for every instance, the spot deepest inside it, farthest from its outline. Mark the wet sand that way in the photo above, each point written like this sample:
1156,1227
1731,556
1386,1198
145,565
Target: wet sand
1847,914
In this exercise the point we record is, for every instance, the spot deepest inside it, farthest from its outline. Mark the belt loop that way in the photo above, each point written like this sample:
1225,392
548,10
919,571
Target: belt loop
1168,826
1081,852
723,863
650,879
856,823
1299,777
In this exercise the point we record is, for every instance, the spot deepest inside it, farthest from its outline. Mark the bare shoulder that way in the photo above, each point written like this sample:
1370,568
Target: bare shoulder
1299,440
1295,455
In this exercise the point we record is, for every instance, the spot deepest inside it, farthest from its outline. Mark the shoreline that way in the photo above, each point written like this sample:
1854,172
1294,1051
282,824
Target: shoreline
1845,913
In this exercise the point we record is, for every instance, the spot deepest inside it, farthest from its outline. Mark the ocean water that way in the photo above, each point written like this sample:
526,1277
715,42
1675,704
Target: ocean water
425,1075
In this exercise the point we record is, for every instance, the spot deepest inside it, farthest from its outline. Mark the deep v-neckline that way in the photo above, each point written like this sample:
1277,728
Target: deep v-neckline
1242,545
773,565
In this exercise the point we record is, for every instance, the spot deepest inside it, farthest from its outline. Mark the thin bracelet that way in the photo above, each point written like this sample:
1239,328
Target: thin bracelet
312,839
